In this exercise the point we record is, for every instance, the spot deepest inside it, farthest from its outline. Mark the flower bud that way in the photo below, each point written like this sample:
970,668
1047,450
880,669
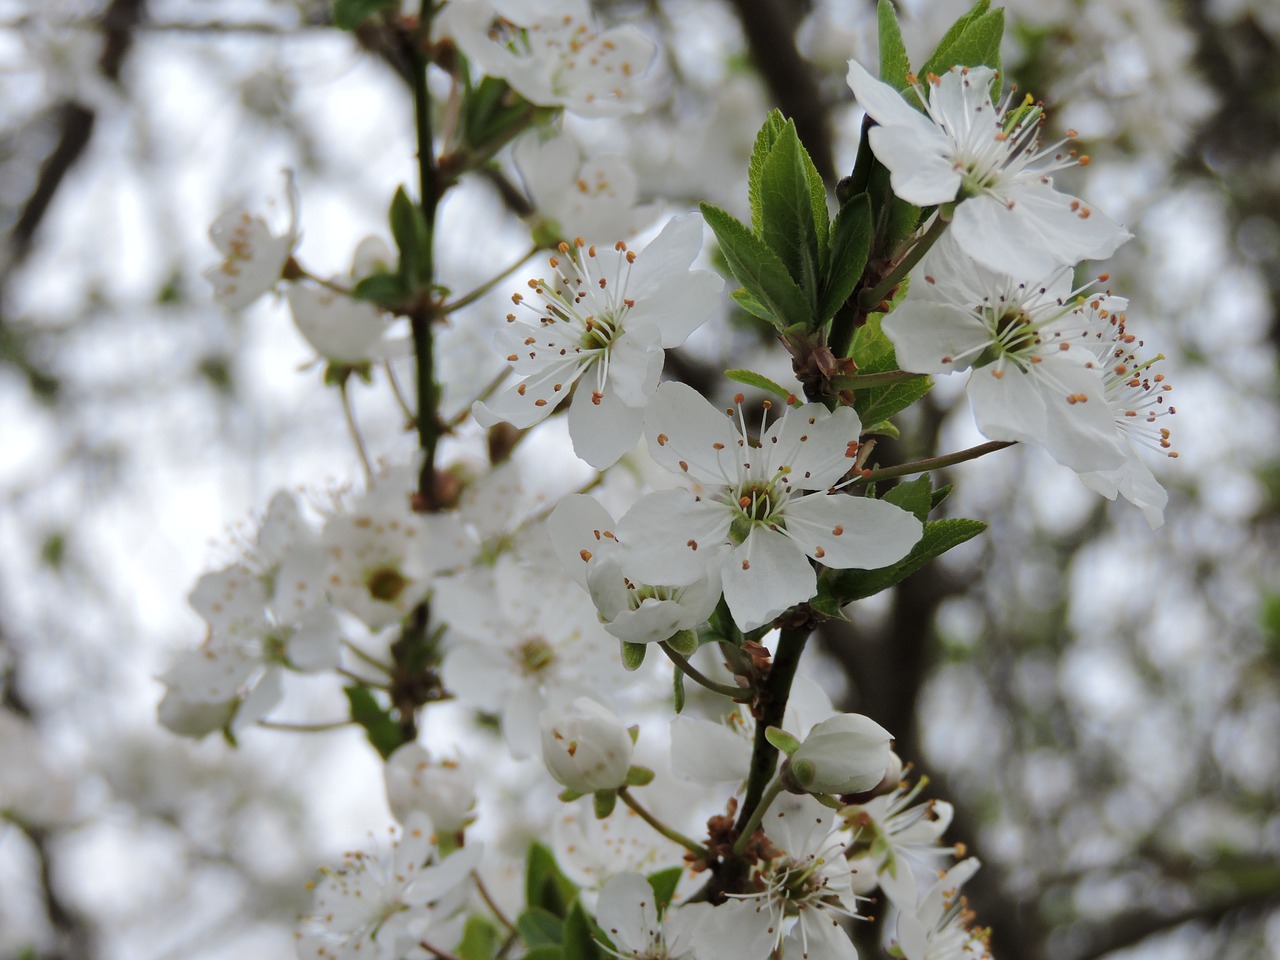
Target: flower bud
847,753
445,790
585,746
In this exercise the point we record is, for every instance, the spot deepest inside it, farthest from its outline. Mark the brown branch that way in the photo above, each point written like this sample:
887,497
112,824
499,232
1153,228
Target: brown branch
770,30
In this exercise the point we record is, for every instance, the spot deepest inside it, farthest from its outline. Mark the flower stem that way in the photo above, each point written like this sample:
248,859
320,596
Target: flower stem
354,429
773,701
398,391
934,463
303,727
682,663
870,299
366,657
502,918
437,952
753,823
697,849
484,288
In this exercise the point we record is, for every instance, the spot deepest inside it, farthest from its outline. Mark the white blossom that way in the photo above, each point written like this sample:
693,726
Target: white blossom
628,914
552,53
942,927
585,746
253,257
762,508
637,612
847,753
964,148
1035,374
381,907
444,789
602,322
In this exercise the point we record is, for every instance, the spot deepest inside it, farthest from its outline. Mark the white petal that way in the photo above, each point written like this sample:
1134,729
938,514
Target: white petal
688,436
844,531
635,364
579,523
603,431
1134,481
813,444
818,936
707,752
672,537
934,337
532,399
919,171
627,913
765,575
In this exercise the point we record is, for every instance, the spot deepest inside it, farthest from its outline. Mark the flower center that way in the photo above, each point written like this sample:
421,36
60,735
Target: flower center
534,656
386,584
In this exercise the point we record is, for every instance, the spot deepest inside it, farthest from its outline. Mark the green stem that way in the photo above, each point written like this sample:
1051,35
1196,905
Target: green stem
424,314
303,727
484,288
367,657
753,823
327,284
773,702
741,694
697,849
870,299
934,463
354,429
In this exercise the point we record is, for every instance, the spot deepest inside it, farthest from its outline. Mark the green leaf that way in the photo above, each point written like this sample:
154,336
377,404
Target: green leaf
790,226
882,429
632,654
349,14
544,953
677,685
386,289
545,886
664,884
936,498
894,65
939,537
480,939
976,45
873,352
938,62
850,245
914,496
774,124
759,381
540,928
750,304
383,732
409,229
759,270
579,944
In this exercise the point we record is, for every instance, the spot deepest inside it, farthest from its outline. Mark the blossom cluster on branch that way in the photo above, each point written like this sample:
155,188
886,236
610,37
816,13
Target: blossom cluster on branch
756,821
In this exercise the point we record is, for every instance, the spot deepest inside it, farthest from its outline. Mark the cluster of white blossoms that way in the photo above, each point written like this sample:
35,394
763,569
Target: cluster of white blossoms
1052,364
760,822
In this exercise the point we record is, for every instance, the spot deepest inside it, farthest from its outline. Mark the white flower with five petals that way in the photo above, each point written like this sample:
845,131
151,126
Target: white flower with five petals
965,148
762,509
605,321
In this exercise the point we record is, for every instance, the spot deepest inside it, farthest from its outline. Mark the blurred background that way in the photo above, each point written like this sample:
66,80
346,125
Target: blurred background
1100,701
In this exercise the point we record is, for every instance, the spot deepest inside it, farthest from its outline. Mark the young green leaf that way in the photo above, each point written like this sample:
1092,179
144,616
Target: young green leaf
664,884
579,943
545,886
938,61
939,537
914,496
677,685
774,124
790,226
633,654
539,927
349,14
894,65
850,245
759,270
759,381
383,732
480,939
976,43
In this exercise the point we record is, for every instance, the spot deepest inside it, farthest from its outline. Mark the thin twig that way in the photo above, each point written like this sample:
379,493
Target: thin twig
934,463
484,288
354,429
675,836
740,694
